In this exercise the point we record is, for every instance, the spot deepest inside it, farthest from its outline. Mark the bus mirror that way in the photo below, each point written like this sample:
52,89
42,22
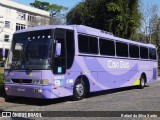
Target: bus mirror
58,49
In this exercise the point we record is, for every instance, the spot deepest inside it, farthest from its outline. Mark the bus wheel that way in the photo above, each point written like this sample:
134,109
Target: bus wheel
79,89
142,82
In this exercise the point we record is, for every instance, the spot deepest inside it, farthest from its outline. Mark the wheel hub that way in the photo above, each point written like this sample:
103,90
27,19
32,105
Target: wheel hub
80,89
142,82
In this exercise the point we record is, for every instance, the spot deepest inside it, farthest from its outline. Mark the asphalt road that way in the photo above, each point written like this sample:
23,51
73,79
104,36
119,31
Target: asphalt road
126,99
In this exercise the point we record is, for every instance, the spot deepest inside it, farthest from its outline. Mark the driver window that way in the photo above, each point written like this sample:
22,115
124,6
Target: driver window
60,38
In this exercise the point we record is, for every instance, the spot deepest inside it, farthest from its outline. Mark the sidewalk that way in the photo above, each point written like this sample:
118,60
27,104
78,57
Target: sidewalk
2,94
2,98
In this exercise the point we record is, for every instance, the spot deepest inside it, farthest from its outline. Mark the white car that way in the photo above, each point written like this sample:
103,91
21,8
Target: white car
1,63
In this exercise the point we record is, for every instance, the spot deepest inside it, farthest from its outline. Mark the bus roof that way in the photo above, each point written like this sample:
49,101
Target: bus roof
104,34
86,30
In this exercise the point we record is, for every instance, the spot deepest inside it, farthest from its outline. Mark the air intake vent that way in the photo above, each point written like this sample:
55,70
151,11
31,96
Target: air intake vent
21,81
109,33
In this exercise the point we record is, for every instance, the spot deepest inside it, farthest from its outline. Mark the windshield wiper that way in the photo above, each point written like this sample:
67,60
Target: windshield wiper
14,65
23,57
16,62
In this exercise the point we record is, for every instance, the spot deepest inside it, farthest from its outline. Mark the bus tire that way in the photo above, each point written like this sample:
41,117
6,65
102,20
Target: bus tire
79,89
142,82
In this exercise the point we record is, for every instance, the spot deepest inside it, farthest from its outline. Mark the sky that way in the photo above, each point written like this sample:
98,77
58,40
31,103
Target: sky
67,3
71,3
148,3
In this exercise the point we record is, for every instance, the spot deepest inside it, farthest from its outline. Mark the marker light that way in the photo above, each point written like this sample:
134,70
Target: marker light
6,88
38,90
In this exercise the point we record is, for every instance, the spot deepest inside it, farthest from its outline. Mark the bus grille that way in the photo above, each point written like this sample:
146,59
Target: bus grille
21,81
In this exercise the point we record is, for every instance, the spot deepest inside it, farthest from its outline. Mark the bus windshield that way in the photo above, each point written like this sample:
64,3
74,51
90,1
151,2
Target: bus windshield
31,50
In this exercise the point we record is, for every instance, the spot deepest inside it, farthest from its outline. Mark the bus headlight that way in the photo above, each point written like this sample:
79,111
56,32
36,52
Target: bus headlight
8,81
6,88
40,82
45,82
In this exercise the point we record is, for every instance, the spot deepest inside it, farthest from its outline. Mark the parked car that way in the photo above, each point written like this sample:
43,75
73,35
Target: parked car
1,63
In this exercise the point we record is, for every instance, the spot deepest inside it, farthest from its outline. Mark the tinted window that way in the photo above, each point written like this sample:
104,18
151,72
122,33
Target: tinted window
83,44
144,52
152,54
88,44
122,49
70,47
134,51
93,45
107,47
60,37
60,60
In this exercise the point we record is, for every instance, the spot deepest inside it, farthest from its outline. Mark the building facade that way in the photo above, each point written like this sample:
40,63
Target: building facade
15,16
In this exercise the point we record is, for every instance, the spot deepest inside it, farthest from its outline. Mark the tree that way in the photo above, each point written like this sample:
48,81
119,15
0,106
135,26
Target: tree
154,28
121,17
148,21
40,5
54,9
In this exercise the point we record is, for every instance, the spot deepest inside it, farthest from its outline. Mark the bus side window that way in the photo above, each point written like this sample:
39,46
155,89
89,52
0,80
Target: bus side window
88,44
144,52
134,51
152,54
107,47
122,49
83,44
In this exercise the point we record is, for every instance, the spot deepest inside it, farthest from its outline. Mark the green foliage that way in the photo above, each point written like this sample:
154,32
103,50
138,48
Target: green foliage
121,17
158,72
40,5
1,79
54,9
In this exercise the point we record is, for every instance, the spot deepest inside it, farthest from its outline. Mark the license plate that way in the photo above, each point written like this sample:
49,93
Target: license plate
21,89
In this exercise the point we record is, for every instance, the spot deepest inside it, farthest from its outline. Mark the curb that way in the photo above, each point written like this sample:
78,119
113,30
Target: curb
2,94
2,99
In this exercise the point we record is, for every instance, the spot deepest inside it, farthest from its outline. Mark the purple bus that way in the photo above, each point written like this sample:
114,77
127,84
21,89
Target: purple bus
73,60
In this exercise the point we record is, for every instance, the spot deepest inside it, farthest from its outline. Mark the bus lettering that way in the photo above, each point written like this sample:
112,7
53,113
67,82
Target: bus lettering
117,64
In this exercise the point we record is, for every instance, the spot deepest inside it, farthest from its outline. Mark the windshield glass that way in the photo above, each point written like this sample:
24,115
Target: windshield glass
30,50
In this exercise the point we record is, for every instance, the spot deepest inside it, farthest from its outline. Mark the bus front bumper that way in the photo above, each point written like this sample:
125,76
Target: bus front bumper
44,92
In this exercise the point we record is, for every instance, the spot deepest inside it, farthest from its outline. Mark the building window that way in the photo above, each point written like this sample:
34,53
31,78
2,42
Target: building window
8,11
31,18
7,24
21,15
20,26
6,38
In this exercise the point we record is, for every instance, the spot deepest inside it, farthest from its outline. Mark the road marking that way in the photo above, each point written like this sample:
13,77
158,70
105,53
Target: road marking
35,109
69,102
